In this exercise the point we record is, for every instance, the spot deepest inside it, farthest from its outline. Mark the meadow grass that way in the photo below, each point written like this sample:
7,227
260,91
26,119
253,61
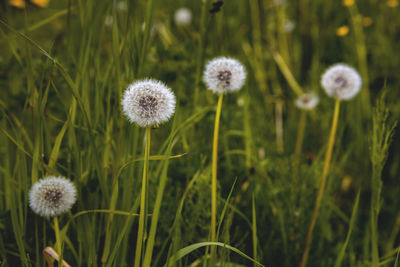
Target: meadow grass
63,69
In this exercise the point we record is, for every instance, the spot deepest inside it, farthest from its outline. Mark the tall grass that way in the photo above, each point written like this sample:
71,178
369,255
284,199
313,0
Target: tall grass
62,73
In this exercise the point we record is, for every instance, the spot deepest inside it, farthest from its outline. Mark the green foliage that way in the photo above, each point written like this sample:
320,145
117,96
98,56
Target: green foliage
62,73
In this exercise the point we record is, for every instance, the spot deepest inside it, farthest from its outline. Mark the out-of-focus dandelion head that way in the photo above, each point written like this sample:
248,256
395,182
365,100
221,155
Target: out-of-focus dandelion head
52,196
341,81
223,75
183,16
307,101
288,26
148,102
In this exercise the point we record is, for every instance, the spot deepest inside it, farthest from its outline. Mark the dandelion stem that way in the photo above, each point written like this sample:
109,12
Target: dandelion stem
143,200
58,241
300,135
320,194
214,173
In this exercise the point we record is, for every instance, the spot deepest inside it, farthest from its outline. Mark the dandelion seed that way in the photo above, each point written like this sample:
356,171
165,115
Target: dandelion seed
183,16
148,102
341,81
223,75
52,196
307,101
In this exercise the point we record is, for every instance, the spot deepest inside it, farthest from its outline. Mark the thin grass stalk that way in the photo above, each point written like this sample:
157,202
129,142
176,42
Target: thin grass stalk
143,198
254,224
279,126
214,173
321,189
58,241
200,52
361,51
156,211
300,136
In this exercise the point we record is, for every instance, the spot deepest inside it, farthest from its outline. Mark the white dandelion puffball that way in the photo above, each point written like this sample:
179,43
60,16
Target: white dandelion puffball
183,16
341,81
52,196
223,75
148,102
307,101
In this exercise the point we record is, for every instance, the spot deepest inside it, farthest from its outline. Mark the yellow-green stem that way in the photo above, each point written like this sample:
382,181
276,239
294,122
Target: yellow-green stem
214,173
320,194
300,135
143,198
58,241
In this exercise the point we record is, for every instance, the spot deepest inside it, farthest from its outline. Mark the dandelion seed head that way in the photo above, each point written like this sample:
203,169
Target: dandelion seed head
223,75
109,21
52,196
183,16
148,102
122,6
288,26
307,101
341,81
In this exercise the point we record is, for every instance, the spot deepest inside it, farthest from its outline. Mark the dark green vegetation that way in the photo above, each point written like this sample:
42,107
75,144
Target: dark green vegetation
62,72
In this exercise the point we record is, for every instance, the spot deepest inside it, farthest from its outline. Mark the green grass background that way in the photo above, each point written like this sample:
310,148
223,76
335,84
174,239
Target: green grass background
62,73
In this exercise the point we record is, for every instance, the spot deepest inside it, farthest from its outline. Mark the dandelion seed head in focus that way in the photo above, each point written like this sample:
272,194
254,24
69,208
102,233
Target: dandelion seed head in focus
148,102
307,101
223,75
52,196
341,81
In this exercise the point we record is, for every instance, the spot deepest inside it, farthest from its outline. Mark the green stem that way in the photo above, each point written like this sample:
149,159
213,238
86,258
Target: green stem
214,173
143,198
200,52
58,241
321,190
156,212
300,136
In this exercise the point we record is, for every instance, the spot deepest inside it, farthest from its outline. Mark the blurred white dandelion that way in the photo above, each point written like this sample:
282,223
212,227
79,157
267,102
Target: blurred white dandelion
122,6
183,16
108,21
307,101
148,102
341,81
288,26
52,196
223,75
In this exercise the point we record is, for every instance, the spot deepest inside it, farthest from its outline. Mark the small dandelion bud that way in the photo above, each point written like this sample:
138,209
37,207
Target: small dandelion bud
148,102
341,81
307,101
52,196
183,16
223,75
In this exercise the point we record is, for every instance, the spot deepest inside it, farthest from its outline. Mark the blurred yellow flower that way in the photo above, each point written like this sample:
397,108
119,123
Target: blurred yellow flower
348,2
17,3
22,3
342,31
367,21
392,3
